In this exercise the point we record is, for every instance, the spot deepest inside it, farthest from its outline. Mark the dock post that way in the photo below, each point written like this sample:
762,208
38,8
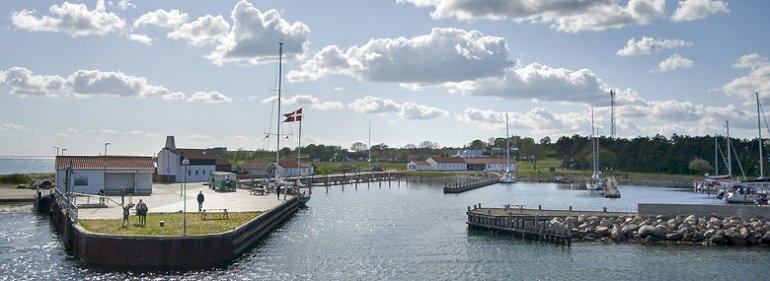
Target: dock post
570,208
605,209
539,207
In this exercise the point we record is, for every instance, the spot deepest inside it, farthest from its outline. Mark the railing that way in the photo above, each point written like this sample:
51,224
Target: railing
67,206
468,185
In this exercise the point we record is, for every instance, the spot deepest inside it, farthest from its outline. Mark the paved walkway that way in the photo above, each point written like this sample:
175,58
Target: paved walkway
17,195
166,198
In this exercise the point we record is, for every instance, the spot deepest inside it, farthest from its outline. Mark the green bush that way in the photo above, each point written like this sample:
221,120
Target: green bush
15,179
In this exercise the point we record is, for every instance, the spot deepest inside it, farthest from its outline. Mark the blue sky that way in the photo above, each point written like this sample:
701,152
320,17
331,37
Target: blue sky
130,72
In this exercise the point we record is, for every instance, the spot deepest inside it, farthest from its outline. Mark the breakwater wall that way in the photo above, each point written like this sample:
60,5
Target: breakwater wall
166,252
469,185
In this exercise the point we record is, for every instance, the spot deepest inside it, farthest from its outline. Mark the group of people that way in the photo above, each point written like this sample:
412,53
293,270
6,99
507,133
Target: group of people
141,212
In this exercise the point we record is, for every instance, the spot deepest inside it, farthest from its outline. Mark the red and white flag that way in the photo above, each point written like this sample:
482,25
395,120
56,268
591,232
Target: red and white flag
293,116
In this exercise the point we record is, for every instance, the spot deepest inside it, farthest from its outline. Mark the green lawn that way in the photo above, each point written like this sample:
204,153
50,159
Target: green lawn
173,225
350,166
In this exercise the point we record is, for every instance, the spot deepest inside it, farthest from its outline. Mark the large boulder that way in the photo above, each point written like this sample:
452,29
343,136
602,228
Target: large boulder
698,237
602,231
645,231
606,222
617,233
660,232
691,219
629,229
673,236
715,222
718,239
581,219
765,239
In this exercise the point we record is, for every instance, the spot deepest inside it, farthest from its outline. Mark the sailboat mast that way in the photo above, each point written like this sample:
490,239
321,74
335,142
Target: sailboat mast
716,155
507,146
729,152
593,142
299,147
369,142
759,129
278,127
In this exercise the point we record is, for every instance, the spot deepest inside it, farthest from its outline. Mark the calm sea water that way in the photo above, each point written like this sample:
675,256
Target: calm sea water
24,165
414,232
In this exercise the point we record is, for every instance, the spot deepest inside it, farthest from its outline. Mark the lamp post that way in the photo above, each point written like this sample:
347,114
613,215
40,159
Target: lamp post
57,150
105,148
62,151
185,163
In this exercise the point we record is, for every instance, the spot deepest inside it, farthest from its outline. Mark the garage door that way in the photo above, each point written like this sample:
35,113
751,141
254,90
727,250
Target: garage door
113,182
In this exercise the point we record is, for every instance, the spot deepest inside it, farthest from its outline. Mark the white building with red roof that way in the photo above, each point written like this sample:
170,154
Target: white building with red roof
447,164
170,159
91,174
418,165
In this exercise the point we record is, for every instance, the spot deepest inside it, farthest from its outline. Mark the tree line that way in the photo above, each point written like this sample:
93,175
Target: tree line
653,154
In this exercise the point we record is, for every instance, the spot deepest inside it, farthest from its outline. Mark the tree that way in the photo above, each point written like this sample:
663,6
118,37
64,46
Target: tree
428,144
476,144
699,165
410,146
358,146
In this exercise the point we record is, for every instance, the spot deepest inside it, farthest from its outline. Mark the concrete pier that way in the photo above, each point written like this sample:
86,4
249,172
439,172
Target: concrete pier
469,185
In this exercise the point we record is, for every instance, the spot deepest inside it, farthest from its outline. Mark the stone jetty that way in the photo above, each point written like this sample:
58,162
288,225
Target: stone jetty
621,227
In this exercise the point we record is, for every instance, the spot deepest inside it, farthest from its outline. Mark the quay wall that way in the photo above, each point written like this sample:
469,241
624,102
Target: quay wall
741,211
169,252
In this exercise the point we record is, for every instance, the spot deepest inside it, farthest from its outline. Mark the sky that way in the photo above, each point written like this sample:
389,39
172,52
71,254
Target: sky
79,74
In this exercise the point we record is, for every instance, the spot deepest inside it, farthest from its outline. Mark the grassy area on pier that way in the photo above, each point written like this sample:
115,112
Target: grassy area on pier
173,224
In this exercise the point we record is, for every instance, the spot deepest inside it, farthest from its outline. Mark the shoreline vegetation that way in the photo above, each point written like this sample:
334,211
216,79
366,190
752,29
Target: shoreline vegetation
172,224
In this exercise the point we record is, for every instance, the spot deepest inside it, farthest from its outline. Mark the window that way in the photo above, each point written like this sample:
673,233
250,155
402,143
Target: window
189,173
204,172
196,172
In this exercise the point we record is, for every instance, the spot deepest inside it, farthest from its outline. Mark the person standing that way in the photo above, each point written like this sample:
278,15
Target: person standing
278,191
141,210
126,211
200,201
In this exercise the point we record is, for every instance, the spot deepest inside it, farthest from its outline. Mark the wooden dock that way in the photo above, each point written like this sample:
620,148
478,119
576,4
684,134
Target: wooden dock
472,184
341,178
530,223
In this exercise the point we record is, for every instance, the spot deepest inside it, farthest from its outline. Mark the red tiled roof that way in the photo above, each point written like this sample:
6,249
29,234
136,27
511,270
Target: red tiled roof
109,162
191,153
451,160
421,162
255,165
289,164
485,160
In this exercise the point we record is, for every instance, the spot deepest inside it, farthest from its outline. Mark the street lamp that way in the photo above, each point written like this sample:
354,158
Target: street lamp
105,148
185,163
62,151
57,150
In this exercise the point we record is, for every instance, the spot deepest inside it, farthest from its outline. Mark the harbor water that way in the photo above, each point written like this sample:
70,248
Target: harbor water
25,165
414,232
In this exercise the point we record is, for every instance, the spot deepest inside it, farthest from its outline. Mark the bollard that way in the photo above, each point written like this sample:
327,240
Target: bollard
469,208
605,209
162,223
570,208
539,207
479,205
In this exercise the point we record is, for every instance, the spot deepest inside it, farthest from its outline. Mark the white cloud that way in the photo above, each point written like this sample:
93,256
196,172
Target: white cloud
647,45
564,15
312,101
161,18
209,97
87,83
751,61
202,31
254,37
407,110
758,79
73,19
123,4
539,120
446,54
14,127
141,38
673,62
537,81
24,82
690,10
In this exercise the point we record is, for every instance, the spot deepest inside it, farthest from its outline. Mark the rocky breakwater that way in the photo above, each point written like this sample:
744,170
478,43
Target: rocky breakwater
672,229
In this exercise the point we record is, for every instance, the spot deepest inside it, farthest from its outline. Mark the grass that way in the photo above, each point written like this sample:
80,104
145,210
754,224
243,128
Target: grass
173,225
351,166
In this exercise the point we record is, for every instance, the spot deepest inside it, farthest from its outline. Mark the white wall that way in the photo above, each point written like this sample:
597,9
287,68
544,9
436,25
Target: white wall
168,163
142,180
203,173
447,166
295,172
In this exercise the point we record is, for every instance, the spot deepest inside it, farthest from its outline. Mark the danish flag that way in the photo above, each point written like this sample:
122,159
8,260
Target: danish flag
293,116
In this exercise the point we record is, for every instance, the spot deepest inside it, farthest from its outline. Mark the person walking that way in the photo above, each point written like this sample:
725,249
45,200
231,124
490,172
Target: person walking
200,201
278,191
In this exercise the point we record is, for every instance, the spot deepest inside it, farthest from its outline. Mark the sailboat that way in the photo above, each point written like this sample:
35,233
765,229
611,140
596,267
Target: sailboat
509,176
748,191
596,182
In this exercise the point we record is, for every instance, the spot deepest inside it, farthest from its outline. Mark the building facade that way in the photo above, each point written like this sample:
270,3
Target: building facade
487,164
112,174
418,165
170,168
447,164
